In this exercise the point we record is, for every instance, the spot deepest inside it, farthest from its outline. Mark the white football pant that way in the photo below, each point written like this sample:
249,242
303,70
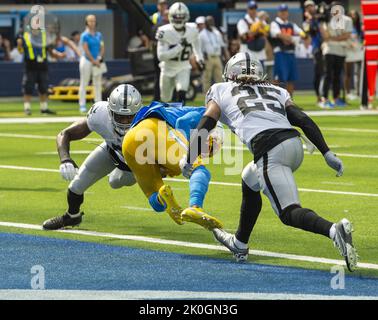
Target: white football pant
85,68
97,165
180,82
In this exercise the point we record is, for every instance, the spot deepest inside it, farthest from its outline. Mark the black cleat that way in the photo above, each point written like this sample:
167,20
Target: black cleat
48,111
27,112
62,221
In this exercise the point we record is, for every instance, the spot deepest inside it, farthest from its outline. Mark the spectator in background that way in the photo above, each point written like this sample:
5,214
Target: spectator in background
252,32
354,57
16,54
304,49
64,44
335,42
284,36
33,44
5,49
200,21
233,47
92,43
269,62
311,26
71,54
157,17
213,47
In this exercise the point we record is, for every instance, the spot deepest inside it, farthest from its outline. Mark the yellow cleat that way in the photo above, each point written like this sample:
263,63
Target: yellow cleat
198,216
173,208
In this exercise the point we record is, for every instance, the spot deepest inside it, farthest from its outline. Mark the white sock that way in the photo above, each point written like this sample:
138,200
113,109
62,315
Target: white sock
74,215
27,106
332,231
43,105
239,244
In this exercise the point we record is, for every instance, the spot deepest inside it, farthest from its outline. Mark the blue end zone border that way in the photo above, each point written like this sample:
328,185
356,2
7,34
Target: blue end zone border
77,265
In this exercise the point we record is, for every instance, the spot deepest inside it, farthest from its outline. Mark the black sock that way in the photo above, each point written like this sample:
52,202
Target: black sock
181,97
249,212
305,219
74,202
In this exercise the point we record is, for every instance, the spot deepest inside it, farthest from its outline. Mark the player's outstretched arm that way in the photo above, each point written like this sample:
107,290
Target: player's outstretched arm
299,119
76,131
199,136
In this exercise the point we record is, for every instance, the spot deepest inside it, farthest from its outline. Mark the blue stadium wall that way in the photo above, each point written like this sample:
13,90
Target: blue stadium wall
11,74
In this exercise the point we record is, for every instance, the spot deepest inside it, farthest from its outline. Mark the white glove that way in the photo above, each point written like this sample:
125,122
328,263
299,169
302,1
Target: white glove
186,168
334,162
68,169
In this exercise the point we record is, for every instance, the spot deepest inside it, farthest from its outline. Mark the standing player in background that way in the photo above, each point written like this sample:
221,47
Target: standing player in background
262,116
252,32
284,33
176,42
36,44
110,119
93,54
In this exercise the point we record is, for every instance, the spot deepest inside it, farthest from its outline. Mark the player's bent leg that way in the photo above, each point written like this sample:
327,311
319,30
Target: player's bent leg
96,166
199,183
120,178
167,87
166,198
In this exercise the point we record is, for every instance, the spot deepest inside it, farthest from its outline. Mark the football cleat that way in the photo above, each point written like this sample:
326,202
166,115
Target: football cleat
228,240
62,221
343,242
198,216
48,111
173,208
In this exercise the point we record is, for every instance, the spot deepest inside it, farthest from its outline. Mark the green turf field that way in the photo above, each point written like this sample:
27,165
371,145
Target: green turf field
31,196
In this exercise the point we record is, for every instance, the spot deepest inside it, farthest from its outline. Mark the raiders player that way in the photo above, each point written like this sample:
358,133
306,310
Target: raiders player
176,42
262,116
110,119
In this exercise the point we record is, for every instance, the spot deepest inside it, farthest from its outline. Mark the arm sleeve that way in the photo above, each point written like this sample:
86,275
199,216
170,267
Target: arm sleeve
199,137
274,30
164,53
299,119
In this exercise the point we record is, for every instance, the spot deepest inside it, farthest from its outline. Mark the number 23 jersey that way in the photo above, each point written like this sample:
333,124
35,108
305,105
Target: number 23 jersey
250,109
174,58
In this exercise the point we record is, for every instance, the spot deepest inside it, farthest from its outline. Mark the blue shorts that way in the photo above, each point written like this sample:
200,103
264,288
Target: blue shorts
285,67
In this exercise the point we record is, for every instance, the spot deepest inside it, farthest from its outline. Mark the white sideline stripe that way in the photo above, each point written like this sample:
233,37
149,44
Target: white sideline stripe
55,152
137,208
320,113
230,184
188,244
33,136
39,120
237,148
350,130
18,294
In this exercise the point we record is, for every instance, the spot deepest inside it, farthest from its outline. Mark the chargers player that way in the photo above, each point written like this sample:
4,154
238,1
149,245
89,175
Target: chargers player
110,119
176,42
262,116
153,148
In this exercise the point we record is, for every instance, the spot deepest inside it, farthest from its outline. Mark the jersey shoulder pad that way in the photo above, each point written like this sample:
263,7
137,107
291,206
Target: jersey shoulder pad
98,115
164,33
191,29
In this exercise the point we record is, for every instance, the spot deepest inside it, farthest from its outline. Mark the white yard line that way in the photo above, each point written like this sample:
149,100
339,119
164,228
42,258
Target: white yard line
188,244
219,183
19,294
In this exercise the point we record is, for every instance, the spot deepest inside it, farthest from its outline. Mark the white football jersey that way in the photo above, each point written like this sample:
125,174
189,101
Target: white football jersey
99,121
250,109
174,56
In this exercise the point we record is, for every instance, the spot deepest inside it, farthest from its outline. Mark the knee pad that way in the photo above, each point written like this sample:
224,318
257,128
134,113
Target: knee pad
119,179
155,203
251,177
